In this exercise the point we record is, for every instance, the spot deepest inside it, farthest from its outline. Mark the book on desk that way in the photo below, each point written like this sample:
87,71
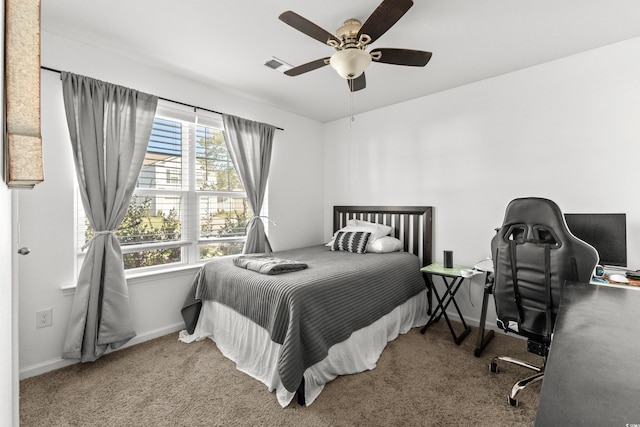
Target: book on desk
627,281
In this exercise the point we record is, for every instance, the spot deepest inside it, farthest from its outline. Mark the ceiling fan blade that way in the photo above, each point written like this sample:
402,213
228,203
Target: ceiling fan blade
307,27
413,58
309,66
358,83
384,17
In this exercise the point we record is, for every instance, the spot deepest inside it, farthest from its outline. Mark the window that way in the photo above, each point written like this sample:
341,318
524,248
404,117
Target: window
189,204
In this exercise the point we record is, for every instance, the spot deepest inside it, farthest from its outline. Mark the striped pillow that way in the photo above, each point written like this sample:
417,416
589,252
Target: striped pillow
351,241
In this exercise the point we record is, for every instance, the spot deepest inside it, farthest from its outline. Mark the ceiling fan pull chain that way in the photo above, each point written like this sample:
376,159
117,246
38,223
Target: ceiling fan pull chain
351,118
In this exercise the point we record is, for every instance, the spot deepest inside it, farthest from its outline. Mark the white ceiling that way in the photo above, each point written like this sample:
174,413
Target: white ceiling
225,43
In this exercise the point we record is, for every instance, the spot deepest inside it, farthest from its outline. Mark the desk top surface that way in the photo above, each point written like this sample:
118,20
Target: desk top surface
592,376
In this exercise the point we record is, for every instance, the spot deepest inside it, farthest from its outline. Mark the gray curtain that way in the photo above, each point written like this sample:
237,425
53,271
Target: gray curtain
249,144
109,127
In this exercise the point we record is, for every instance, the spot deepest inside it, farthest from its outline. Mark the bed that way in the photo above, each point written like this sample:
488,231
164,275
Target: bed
299,330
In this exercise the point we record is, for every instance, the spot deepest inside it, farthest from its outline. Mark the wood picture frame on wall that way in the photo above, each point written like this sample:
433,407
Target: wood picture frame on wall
22,142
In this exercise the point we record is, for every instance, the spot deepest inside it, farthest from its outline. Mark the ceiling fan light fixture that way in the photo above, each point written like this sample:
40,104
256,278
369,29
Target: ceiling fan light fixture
350,63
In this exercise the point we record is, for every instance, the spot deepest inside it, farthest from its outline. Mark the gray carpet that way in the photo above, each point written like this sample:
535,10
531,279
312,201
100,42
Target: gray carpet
420,380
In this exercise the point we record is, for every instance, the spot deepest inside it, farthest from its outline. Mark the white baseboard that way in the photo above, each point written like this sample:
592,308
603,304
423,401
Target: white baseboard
472,321
489,325
53,364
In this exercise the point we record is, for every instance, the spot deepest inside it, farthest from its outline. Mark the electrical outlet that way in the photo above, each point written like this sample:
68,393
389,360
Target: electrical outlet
44,318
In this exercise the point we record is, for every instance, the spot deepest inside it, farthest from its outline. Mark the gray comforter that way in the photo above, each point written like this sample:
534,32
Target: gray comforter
310,310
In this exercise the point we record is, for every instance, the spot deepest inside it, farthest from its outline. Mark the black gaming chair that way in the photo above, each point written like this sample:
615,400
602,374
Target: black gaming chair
533,254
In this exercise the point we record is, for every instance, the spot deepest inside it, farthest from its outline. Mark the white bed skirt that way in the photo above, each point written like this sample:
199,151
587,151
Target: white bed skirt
250,347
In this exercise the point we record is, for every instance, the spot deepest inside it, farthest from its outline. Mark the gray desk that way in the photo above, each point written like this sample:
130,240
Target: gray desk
592,377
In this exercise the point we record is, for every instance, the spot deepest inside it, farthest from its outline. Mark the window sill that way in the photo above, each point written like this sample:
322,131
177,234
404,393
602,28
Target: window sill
146,276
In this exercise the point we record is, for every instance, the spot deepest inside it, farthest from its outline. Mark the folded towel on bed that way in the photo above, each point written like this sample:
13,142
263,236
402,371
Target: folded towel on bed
267,264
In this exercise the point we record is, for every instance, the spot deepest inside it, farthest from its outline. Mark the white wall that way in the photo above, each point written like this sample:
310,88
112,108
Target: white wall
566,130
46,213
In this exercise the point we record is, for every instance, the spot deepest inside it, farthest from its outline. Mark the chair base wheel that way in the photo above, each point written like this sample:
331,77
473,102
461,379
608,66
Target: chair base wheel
520,385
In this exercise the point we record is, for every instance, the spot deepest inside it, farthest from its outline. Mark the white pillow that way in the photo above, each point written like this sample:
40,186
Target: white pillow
385,244
380,229
377,230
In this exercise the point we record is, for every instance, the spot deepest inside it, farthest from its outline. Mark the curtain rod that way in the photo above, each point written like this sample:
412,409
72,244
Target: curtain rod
164,99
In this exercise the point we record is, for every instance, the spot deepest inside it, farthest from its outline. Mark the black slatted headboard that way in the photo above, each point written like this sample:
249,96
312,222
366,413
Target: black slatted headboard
413,225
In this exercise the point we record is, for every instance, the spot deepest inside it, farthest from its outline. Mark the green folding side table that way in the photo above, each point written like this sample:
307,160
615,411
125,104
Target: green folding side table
452,278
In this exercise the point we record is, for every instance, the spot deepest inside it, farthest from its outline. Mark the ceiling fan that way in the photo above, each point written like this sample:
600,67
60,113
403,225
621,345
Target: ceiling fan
351,41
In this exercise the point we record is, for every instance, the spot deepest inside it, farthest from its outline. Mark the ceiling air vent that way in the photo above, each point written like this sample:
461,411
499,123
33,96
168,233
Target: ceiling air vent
277,64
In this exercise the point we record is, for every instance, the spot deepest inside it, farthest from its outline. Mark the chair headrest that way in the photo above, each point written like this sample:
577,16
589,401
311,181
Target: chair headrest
534,210
535,219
